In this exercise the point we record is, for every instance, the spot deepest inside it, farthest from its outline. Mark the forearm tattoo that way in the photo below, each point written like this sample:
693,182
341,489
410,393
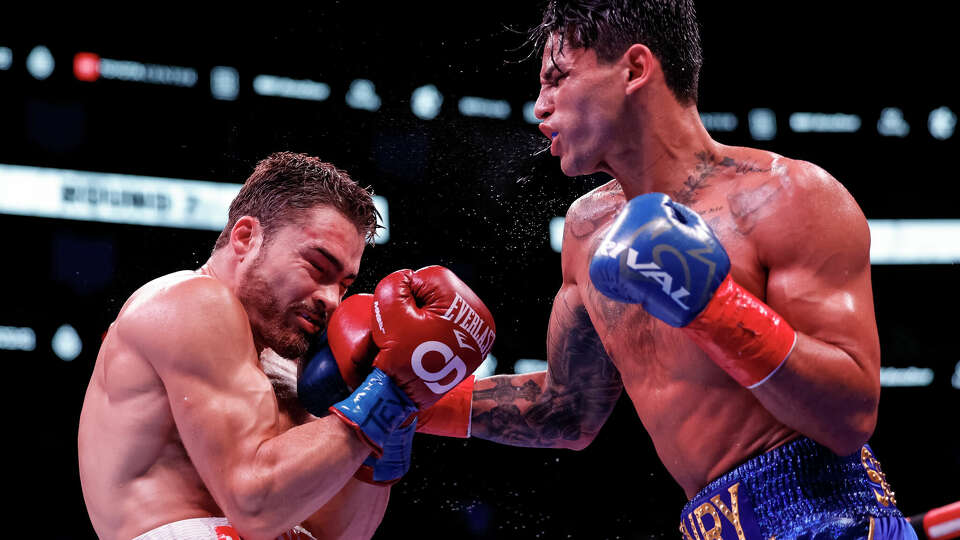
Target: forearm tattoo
581,390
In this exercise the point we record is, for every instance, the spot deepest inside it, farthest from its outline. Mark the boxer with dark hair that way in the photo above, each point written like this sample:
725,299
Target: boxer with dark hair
184,432
726,289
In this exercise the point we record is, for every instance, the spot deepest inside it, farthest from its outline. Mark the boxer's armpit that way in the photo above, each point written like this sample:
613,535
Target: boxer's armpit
566,406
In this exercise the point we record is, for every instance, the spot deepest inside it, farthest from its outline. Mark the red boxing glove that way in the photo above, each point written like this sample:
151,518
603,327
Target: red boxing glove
432,331
351,339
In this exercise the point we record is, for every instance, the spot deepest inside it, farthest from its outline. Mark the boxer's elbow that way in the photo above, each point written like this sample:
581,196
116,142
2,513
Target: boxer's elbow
581,442
850,442
578,444
248,507
856,429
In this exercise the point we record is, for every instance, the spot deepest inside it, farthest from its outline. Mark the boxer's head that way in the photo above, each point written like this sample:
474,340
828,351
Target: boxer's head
286,184
603,61
668,28
299,227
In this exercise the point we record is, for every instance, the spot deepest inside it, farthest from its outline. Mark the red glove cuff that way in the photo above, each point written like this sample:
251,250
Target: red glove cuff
449,417
365,474
742,335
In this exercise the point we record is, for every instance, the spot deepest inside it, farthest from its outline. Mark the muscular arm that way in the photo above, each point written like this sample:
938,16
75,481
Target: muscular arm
817,252
563,407
358,508
264,478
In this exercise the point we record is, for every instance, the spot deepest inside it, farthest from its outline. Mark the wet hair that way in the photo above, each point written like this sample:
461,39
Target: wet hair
668,28
285,185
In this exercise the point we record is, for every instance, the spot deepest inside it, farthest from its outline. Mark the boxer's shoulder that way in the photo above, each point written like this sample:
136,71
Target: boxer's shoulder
593,211
171,314
584,222
796,204
765,179
177,295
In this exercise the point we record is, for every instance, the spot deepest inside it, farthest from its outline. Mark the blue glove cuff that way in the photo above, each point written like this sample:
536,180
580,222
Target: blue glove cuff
377,407
397,451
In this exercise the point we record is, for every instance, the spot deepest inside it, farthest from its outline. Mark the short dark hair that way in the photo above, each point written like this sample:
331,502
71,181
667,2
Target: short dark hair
285,184
668,28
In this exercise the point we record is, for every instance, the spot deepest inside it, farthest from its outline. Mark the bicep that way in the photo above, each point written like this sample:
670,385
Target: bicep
576,357
582,384
222,419
566,405
819,281
223,405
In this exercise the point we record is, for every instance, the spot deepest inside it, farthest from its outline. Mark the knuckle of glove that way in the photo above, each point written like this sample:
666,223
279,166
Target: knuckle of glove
350,338
439,338
662,255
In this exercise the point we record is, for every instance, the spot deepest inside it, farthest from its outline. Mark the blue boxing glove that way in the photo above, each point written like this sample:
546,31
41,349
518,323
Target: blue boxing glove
341,357
320,383
662,255
334,368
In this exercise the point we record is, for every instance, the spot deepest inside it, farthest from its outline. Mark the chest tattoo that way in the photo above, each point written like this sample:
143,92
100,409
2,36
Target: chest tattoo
709,165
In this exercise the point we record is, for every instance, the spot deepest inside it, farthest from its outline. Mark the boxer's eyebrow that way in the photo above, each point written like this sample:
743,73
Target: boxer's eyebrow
334,261
549,73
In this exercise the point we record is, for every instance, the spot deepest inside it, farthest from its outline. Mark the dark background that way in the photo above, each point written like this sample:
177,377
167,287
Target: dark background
463,192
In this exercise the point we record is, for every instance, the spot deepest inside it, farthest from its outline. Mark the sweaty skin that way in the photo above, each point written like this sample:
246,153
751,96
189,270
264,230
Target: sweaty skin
180,419
795,237
356,510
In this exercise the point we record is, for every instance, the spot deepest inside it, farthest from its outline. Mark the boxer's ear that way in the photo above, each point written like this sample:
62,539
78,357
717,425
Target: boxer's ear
246,235
640,63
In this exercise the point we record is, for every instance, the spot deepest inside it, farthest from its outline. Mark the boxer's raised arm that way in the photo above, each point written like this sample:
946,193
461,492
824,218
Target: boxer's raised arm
198,339
562,407
818,253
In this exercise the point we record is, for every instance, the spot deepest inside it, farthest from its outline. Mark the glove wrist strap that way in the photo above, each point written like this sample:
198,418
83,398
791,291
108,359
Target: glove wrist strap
395,462
742,335
375,409
451,416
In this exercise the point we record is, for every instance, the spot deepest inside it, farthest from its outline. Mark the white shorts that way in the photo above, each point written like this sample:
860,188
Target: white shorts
210,528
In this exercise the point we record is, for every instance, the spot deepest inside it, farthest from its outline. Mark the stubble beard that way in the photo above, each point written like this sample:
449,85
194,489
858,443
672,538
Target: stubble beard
273,330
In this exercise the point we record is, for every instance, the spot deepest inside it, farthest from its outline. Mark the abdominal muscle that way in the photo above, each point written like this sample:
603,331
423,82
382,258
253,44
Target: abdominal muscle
701,421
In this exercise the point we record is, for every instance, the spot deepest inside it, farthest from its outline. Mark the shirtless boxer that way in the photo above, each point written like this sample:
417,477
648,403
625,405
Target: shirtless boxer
181,433
759,407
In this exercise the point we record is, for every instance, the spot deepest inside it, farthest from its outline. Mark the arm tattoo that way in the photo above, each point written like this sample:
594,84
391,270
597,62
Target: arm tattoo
505,392
581,390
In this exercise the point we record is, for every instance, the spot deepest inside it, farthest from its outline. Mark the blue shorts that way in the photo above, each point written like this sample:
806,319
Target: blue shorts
799,491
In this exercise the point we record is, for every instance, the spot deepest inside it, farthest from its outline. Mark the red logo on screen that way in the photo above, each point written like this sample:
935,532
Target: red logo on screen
86,66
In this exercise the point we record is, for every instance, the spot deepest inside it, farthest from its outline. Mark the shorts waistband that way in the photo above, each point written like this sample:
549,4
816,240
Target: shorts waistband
194,528
210,528
790,489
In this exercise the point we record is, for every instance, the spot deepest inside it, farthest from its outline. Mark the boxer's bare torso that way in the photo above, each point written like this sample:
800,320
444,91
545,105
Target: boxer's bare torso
766,210
136,473
700,420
